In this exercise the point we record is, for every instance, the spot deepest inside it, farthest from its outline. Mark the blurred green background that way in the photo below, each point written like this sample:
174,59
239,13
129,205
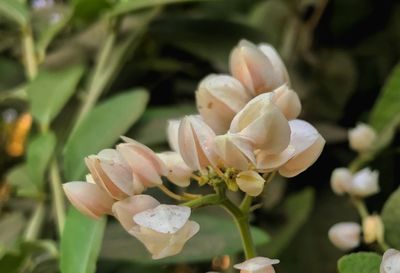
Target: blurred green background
339,54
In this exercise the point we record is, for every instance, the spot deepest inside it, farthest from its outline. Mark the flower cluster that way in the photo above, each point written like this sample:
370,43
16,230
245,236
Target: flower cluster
246,130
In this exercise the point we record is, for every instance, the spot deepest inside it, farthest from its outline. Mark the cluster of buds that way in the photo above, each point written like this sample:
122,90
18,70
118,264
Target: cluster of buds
363,183
246,130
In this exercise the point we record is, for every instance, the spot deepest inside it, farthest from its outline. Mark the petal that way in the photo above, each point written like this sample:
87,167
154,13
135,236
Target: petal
390,261
88,198
279,67
365,183
250,182
267,162
257,264
172,134
162,245
234,151
345,235
287,101
341,180
362,137
178,172
124,210
163,218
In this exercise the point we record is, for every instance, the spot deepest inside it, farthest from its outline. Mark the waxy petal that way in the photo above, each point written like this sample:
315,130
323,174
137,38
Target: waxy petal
178,172
172,134
250,182
219,98
364,183
390,261
341,180
279,68
88,198
257,265
267,162
287,101
163,218
124,210
345,235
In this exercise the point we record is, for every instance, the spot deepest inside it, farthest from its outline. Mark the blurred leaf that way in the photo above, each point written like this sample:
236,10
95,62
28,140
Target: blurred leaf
11,226
101,128
11,73
297,208
80,243
151,128
194,36
126,6
50,91
391,219
14,10
217,236
385,116
87,10
39,153
266,15
19,178
361,262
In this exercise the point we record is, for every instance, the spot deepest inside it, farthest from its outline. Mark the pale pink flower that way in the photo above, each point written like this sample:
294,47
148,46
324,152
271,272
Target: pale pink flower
173,133
257,265
250,182
196,143
146,166
263,122
259,69
287,101
219,98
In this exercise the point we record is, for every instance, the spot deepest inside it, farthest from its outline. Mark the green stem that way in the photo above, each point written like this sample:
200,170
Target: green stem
211,199
35,223
30,61
58,195
242,223
246,203
360,206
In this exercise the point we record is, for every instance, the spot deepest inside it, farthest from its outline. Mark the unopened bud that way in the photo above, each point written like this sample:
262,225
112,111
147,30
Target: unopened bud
341,180
362,137
345,235
372,229
364,183
390,261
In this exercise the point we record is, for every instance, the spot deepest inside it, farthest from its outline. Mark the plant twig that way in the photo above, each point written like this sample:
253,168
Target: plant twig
58,195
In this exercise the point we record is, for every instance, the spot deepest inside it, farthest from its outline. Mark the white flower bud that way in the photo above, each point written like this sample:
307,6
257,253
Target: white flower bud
345,235
177,170
250,182
364,183
341,180
362,137
372,229
390,262
257,265
288,101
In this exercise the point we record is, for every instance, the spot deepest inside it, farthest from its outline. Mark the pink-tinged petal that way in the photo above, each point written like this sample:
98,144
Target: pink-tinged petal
262,122
267,162
257,265
250,182
219,98
345,235
172,134
178,172
144,163
302,161
88,198
279,67
252,67
234,151
101,178
124,210
287,101
162,245
196,143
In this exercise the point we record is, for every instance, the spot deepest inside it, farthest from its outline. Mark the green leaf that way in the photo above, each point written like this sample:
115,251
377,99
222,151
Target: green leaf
80,243
218,235
39,153
150,130
19,178
101,128
50,91
361,262
15,10
297,209
10,228
134,5
386,108
88,10
391,219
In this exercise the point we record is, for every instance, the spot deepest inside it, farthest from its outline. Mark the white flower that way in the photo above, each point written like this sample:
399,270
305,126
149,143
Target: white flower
250,182
390,261
164,230
257,265
341,179
177,170
345,235
364,183
362,137
288,101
